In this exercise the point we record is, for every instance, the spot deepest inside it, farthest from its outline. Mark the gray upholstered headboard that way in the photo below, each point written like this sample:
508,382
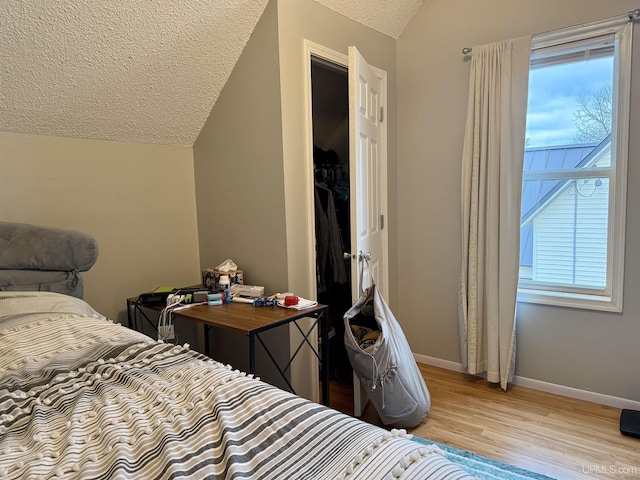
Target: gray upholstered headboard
44,258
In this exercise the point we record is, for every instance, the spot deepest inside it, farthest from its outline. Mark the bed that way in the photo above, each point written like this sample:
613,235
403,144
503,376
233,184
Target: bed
84,397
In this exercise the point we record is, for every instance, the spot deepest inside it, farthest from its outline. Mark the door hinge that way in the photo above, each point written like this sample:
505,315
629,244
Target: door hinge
381,222
381,114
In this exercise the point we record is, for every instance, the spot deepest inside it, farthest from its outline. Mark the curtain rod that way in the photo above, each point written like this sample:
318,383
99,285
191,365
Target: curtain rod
632,15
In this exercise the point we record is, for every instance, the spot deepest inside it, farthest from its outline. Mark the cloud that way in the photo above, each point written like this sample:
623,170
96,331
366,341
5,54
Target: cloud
553,92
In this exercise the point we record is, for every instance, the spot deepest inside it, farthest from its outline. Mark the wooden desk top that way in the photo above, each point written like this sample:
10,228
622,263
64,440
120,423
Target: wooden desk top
243,317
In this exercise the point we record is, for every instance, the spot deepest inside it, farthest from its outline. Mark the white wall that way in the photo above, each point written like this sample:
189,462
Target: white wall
581,349
238,165
137,200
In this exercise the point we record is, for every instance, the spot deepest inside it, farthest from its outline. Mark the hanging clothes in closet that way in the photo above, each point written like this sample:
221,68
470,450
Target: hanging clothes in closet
333,239
331,197
329,244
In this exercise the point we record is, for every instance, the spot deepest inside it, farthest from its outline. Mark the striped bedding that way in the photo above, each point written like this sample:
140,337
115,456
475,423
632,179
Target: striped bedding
82,397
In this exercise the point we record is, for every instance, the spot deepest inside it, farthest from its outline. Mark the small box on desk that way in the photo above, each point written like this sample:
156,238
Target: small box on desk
211,278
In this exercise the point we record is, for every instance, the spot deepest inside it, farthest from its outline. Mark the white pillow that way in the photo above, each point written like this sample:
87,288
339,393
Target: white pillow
14,303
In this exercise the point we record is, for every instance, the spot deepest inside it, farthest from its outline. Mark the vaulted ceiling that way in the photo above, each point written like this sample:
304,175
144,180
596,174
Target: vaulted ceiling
135,70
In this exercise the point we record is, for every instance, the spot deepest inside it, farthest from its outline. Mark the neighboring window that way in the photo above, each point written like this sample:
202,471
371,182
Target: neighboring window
574,172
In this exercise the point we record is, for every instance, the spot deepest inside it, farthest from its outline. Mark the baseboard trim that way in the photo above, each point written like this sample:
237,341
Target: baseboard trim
539,385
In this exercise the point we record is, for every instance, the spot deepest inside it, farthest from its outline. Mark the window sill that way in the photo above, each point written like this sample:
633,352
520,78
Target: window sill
571,300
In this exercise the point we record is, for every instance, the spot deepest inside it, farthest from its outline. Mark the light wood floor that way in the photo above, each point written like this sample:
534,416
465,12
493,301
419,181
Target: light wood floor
549,434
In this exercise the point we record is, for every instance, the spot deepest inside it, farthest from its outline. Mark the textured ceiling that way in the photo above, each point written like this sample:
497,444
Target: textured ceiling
386,16
134,70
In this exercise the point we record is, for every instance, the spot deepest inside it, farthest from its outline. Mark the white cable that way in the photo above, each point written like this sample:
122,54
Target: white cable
165,320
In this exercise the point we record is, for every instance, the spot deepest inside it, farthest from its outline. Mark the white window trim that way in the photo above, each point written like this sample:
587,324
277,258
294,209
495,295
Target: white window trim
611,298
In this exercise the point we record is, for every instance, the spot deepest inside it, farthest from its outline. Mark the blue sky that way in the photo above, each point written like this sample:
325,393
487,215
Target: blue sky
553,92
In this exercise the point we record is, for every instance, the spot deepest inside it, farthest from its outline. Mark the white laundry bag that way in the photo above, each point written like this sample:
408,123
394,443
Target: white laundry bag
385,365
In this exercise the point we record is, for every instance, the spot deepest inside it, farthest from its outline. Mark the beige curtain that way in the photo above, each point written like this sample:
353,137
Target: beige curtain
491,189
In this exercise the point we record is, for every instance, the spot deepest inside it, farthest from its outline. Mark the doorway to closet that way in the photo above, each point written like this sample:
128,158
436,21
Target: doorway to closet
357,105
330,118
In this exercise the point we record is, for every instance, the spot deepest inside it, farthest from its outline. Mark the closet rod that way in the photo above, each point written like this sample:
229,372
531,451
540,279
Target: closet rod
632,15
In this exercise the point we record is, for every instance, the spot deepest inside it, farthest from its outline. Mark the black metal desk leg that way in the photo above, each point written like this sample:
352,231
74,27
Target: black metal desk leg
252,354
324,326
207,330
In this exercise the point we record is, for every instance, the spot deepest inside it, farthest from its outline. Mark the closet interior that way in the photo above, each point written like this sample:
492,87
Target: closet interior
330,103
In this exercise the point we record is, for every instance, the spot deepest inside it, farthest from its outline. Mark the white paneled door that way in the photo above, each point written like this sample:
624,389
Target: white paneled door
366,171
368,184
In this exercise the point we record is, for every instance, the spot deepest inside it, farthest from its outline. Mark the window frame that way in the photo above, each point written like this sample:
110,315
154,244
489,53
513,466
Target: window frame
611,297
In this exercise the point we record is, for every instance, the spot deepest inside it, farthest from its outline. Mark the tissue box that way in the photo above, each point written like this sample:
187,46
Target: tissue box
211,278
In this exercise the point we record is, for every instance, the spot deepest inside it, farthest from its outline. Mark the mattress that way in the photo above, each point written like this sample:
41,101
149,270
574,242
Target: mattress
83,397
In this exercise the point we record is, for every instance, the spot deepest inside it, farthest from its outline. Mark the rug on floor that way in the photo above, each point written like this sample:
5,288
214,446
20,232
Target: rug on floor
483,467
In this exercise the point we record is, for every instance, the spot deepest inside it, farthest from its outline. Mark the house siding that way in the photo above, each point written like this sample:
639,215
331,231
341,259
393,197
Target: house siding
573,256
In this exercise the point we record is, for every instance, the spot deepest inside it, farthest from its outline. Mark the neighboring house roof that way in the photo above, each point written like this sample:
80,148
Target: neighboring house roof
538,194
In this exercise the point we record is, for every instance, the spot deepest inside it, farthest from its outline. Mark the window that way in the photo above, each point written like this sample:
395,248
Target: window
574,172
